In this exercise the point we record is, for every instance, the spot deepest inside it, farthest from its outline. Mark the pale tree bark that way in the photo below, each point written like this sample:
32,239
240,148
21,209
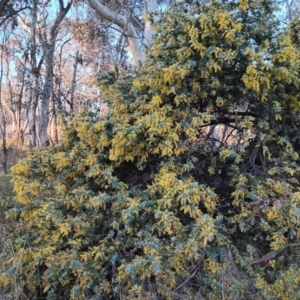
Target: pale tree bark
137,40
125,24
17,113
78,59
48,46
57,104
53,125
38,127
289,9
150,7
60,77
35,73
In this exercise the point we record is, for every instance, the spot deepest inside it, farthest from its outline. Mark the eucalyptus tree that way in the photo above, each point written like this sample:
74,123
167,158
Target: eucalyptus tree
43,37
17,86
132,19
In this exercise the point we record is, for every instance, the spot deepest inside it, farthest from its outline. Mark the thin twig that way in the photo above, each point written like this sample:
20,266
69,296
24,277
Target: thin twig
272,254
191,276
232,262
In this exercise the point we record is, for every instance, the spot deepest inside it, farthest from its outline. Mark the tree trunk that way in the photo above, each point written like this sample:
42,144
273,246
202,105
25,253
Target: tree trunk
47,95
53,133
3,131
49,49
3,118
289,10
137,40
73,82
150,7
4,150
34,98
40,136
32,128
18,129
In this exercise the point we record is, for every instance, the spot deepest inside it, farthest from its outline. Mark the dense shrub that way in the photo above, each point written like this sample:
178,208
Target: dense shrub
189,186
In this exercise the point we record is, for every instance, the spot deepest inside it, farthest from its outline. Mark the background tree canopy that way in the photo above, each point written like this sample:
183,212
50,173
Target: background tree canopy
189,186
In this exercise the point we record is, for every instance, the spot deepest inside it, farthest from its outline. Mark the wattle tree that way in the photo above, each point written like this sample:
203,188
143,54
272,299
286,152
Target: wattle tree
189,187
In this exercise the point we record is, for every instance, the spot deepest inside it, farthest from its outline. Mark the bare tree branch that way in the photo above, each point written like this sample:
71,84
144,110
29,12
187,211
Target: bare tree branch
123,22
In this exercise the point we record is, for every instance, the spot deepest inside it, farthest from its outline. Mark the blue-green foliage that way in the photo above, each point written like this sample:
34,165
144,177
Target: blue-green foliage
188,186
